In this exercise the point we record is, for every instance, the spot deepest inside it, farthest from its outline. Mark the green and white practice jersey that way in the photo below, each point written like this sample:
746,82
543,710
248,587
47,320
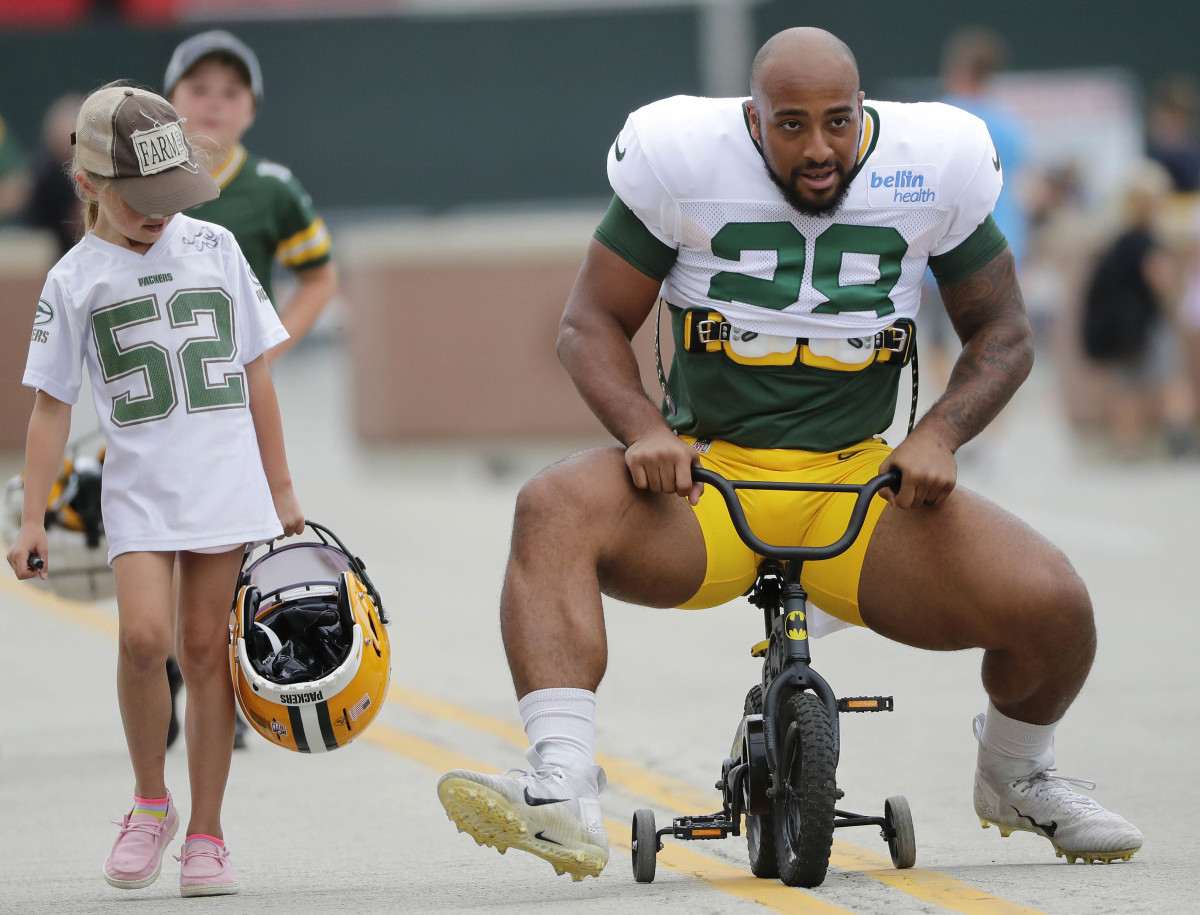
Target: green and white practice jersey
166,337
269,213
796,303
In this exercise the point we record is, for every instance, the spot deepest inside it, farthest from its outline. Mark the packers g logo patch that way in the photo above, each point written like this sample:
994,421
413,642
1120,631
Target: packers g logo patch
45,313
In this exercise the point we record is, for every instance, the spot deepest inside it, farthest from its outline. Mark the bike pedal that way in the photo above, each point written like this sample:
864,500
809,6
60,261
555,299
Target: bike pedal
866,704
703,827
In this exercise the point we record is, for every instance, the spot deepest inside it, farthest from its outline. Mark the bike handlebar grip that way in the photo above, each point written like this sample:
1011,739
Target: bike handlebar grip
894,480
737,515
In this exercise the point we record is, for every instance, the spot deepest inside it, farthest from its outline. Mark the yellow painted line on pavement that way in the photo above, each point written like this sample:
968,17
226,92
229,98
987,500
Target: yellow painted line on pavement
733,880
922,883
436,757
929,885
718,875
85,614
669,792
440,759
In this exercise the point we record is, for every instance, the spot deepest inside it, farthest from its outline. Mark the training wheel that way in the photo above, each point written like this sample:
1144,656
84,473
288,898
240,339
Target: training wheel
645,846
903,841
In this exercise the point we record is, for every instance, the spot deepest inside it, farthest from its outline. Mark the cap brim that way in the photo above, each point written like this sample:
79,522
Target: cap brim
172,191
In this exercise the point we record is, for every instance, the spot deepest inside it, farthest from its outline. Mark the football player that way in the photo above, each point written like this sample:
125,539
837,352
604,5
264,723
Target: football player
788,233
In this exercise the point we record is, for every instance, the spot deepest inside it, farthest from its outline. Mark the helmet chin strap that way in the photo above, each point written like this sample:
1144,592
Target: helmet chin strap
276,644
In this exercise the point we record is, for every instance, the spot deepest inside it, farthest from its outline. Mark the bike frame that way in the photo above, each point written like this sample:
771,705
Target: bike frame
786,665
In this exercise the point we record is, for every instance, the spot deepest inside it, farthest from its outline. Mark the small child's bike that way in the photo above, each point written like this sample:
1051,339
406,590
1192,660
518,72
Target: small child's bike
781,774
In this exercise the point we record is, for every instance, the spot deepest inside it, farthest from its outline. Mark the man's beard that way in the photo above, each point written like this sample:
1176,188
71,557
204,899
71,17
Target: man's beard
808,208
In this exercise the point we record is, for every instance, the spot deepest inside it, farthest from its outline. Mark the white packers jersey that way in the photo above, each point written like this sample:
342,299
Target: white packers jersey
166,337
689,169
791,330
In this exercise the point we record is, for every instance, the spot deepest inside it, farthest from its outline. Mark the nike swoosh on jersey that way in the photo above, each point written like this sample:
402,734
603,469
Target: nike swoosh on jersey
620,153
1049,830
539,801
996,162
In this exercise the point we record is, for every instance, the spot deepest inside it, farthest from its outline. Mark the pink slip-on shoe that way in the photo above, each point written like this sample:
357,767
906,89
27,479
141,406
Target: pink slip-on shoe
205,868
136,856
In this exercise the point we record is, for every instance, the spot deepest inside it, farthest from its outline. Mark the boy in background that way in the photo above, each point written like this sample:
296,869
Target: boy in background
215,83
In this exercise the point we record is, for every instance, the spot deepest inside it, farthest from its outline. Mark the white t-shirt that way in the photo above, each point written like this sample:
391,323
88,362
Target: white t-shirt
690,171
166,337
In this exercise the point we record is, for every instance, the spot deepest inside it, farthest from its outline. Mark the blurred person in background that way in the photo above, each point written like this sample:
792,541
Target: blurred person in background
971,59
215,83
1065,238
1172,136
1126,331
14,176
53,204
1188,315
1173,141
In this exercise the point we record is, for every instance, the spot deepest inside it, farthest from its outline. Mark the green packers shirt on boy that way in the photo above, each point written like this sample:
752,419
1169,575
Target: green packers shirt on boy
780,319
269,213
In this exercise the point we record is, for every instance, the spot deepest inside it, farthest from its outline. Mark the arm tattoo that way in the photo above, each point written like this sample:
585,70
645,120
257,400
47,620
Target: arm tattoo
988,314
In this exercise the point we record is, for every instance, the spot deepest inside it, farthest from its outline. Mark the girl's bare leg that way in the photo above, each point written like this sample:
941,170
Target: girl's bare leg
207,583
143,582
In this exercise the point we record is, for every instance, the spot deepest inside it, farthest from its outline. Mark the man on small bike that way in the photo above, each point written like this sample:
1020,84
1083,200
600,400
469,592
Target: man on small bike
788,234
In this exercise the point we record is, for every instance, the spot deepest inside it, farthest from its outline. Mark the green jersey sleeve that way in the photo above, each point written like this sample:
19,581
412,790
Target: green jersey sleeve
626,236
304,240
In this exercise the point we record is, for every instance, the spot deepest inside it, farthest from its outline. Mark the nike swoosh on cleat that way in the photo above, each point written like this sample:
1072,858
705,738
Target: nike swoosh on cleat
541,835
538,801
1049,830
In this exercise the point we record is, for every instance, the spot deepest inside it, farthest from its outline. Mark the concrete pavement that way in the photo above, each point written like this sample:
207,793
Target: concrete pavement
360,830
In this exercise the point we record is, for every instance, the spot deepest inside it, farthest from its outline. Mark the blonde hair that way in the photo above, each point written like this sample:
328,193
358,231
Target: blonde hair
99,182
91,211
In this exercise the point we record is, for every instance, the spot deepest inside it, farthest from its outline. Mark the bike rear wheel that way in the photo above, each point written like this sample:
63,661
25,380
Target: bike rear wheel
805,792
760,830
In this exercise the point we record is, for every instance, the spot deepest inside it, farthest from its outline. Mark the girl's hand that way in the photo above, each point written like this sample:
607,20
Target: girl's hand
287,507
30,543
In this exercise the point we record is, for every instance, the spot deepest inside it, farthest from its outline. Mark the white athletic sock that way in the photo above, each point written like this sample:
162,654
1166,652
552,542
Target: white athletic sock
561,727
1013,749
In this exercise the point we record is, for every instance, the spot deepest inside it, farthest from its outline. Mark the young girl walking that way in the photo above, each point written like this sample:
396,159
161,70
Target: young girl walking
173,327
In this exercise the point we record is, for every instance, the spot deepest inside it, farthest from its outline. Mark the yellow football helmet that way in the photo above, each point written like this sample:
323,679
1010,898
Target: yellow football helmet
308,649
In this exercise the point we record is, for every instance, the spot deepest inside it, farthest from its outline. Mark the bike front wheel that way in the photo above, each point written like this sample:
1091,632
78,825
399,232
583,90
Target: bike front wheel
805,791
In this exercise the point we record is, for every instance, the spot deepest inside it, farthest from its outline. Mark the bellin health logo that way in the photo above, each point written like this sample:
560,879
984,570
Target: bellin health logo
902,184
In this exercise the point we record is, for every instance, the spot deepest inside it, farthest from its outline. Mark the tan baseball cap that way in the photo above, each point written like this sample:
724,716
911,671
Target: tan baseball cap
135,139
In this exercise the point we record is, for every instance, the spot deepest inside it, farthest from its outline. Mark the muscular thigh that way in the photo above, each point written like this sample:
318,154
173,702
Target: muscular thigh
964,574
647,546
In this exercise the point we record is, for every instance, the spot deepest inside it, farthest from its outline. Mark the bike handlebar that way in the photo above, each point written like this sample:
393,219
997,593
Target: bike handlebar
728,490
